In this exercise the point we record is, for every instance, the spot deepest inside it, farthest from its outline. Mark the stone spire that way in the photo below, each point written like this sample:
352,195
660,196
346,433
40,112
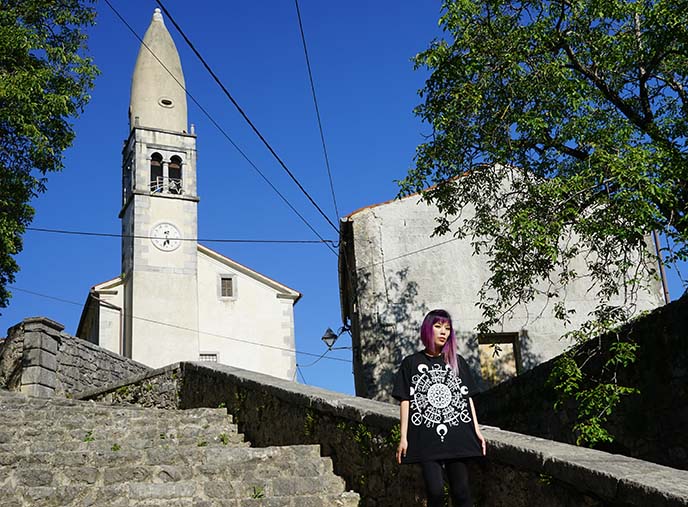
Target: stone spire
157,96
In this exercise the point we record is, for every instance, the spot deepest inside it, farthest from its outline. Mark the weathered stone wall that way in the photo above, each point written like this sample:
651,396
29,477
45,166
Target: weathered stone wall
11,359
82,365
650,425
158,388
360,436
40,359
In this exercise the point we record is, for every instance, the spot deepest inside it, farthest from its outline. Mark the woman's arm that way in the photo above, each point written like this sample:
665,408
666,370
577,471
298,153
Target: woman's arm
403,426
477,428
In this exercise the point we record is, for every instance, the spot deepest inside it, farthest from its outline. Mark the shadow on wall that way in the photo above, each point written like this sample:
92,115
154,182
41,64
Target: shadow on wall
389,331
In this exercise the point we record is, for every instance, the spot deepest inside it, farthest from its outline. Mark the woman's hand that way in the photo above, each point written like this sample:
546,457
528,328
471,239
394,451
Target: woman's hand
401,449
482,440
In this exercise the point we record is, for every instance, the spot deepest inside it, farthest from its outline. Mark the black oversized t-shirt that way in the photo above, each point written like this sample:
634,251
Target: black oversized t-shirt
440,424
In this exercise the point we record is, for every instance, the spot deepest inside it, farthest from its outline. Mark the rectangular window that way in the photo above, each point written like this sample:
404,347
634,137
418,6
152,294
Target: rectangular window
500,356
226,287
210,357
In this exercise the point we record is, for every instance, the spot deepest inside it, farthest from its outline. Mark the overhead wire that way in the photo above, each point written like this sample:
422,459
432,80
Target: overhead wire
207,333
317,109
220,129
298,370
243,114
200,240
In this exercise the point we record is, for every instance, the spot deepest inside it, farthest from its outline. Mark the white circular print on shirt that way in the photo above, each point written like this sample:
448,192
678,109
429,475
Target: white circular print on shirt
439,399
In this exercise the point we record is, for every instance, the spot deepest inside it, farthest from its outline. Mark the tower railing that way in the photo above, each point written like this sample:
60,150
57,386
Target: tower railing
167,185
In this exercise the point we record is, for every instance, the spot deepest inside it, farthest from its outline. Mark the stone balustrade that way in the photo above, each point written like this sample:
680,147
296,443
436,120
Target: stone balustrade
40,359
360,436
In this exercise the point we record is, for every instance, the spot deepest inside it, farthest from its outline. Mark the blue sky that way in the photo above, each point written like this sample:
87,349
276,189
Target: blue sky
360,55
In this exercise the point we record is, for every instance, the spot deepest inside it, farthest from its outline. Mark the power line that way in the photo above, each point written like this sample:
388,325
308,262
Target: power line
314,362
243,114
200,240
153,321
317,109
222,131
298,370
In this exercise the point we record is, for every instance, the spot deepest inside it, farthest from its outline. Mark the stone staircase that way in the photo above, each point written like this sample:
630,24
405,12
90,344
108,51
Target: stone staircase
59,452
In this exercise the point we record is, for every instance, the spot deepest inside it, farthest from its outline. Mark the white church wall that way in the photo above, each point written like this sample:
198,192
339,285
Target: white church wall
254,314
110,336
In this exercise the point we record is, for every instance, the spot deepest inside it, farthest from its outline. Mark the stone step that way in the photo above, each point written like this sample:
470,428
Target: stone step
138,445
149,435
48,408
166,465
173,455
61,452
287,473
274,476
168,497
105,412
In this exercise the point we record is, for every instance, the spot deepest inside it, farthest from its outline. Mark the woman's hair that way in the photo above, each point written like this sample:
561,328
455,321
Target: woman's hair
426,336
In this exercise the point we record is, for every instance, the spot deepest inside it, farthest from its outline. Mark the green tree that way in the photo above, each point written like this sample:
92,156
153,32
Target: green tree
582,107
44,81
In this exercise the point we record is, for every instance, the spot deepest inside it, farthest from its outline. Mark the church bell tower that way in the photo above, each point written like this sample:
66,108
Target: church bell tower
159,209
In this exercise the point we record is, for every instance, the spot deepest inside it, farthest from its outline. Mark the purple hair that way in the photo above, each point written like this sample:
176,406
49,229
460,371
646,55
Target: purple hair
426,336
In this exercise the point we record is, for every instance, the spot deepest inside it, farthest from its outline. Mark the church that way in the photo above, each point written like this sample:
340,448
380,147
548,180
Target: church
175,299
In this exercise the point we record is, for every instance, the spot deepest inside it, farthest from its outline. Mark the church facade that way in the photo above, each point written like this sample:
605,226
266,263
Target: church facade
177,300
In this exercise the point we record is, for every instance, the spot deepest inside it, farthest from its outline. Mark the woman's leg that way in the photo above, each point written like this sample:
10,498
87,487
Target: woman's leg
434,483
457,474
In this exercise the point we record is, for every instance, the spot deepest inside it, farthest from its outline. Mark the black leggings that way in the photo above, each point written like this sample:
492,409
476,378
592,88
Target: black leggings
457,475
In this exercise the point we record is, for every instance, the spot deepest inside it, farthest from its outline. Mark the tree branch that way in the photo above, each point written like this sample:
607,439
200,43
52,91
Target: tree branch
646,125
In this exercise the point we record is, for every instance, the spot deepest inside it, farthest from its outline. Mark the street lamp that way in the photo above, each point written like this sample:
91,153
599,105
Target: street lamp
330,337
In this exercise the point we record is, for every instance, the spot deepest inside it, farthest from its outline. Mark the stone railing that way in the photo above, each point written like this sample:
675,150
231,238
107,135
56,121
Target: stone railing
360,436
40,359
650,425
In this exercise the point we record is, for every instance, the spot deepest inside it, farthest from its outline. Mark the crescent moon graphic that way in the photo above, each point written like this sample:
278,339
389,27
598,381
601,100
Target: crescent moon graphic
422,368
442,431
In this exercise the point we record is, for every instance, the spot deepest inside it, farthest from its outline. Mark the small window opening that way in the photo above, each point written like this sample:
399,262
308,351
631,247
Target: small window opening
165,102
226,287
500,357
156,179
174,183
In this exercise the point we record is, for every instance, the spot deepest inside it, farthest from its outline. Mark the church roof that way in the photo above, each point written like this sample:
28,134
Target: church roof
281,288
284,291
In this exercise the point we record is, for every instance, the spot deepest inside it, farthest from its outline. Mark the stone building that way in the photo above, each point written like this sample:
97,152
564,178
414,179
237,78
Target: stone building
176,300
392,273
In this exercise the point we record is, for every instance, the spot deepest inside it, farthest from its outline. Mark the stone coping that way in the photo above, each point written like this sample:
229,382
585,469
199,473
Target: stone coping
613,477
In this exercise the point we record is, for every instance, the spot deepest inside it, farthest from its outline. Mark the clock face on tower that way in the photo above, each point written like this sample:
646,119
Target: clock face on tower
166,237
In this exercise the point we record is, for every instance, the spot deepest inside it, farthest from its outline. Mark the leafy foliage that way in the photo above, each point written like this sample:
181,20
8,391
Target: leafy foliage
562,126
595,390
44,81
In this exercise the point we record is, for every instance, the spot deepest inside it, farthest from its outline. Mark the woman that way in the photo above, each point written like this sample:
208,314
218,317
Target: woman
439,428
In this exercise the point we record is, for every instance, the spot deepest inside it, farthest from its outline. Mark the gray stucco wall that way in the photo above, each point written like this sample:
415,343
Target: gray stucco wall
360,436
392,272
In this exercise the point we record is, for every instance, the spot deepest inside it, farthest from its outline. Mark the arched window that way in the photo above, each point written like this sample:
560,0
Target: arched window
156,179
175,175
